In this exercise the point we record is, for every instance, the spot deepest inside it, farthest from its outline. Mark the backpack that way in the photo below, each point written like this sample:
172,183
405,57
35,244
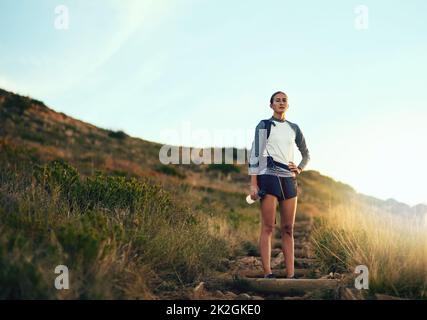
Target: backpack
267,125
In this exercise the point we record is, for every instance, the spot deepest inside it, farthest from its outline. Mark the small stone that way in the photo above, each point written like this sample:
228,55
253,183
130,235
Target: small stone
232,294
199,290
243,296
219,293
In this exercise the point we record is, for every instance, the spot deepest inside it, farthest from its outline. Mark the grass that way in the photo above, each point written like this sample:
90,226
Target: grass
393,247
120,237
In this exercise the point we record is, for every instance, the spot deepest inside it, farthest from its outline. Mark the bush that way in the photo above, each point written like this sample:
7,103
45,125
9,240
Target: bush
58,174
109,230
117,135
250,249
224,168
16,104
169,170
99,190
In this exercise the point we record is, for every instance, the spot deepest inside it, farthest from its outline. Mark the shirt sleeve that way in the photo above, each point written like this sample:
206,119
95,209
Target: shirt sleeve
302,147
257,149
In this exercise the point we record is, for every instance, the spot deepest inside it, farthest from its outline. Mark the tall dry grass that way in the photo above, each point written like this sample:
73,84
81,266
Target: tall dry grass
393,247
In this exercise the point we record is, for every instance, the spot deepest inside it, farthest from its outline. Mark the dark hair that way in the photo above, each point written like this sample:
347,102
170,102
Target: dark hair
272,97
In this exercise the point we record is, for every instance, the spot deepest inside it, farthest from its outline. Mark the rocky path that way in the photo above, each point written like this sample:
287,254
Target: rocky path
244,277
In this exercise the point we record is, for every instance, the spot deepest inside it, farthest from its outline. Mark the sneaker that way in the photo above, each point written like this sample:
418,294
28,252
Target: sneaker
270,276
293,277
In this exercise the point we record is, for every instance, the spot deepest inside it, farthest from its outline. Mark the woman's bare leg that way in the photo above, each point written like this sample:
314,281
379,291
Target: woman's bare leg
287,219
268,213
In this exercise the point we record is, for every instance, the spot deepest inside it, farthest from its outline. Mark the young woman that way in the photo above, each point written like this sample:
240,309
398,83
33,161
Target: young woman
273,179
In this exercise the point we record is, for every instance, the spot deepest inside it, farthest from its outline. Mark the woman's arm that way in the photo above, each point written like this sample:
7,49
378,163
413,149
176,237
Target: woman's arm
302,146
254,181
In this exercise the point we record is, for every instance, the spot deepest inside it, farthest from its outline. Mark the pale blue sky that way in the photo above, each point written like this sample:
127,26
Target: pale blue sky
148,66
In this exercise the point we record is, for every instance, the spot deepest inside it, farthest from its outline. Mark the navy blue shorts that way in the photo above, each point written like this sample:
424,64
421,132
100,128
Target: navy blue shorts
270,185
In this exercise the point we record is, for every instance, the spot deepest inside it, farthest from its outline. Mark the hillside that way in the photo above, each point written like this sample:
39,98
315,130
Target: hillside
51,135
100,202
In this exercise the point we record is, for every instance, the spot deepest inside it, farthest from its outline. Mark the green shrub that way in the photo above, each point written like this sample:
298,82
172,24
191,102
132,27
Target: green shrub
169,170
20,280
250,249
109,230
60,174
120,135
223,167
16,104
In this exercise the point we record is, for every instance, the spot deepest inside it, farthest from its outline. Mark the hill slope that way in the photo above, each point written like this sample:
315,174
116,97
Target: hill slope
28,122
126,225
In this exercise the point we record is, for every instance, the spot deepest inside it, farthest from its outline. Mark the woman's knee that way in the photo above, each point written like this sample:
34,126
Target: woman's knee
268,228
287,229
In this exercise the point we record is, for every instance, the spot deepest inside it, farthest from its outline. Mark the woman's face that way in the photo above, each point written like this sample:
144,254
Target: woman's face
280,103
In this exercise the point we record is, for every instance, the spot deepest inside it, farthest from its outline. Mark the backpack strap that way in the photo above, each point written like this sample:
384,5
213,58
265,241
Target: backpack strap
267,125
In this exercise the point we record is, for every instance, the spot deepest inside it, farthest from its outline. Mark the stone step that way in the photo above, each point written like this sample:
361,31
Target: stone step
275,252
277,245
305,262
280,273
297,234
285,286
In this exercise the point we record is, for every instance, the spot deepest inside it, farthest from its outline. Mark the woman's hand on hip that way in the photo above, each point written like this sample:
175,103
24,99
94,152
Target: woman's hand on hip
292,166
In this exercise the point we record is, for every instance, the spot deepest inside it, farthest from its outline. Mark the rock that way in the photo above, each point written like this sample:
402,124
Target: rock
287,286
276,252
224,265
219,294
277,260
199,291
225,262
380,296
243,296
249,262
257,298
351,294
280,273
231,294
293,298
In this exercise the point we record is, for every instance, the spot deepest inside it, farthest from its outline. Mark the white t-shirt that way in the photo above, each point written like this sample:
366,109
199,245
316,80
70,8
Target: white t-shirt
279,145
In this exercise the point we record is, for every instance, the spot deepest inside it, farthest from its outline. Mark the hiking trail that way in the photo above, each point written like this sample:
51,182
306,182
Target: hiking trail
244,277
